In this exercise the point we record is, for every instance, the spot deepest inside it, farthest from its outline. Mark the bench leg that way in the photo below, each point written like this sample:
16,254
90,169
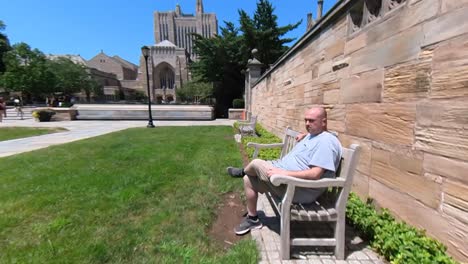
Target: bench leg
285,237
340,238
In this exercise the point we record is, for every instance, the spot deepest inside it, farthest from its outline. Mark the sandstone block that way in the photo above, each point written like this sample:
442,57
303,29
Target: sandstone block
417,186
334,85
446,229
407,82
366,87
455,212
448,113
399,48
447,26
366,150
361,185
453,169
331,96
388,123
335,49
336,112
447,142
450,5
356,43
456,194
410,161
338,126
325,67
402,19
450,70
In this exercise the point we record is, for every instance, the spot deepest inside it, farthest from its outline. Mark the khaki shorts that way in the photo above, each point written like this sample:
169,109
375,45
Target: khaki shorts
257,169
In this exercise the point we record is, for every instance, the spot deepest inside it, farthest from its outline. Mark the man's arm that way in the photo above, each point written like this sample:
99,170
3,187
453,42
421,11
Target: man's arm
313,173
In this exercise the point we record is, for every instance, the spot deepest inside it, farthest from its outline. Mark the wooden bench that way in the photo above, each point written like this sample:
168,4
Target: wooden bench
329,207
248,127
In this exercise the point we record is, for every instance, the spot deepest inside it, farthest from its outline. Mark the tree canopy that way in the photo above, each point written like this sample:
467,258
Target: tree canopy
4,45
27,71
30,72
223,58
263,33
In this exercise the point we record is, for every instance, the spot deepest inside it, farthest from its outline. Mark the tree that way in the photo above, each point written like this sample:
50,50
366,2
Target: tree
194,91
70,77
27,71
263,33
223,57
220,62
4,46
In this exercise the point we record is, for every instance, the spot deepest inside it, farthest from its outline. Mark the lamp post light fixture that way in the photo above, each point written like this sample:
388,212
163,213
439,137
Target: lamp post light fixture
145,51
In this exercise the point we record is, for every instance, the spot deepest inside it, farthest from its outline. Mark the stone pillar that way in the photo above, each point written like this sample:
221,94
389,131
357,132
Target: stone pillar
253,73
310,21
319,9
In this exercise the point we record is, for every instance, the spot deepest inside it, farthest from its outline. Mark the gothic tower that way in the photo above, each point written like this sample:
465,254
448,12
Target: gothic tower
199,7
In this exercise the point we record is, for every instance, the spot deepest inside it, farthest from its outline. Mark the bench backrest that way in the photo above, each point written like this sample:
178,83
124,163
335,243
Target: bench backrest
289,141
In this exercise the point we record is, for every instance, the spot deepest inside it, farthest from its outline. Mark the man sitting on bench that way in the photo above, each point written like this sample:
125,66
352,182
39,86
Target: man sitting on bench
314,157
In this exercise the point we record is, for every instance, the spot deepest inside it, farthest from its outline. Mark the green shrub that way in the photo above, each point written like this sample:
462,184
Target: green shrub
238,103
43,115
396,241
264,137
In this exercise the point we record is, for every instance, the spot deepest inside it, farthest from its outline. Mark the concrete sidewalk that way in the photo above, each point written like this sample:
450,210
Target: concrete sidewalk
78,130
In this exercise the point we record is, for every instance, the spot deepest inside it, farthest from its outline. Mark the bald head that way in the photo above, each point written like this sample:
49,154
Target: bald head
316,120
317,111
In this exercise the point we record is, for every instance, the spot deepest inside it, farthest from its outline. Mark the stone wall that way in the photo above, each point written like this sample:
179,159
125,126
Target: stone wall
393,75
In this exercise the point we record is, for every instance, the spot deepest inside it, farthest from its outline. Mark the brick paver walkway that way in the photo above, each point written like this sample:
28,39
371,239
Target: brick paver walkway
268,242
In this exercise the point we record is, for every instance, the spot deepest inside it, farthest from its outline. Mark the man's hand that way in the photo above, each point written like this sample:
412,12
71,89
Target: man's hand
273,171
300,137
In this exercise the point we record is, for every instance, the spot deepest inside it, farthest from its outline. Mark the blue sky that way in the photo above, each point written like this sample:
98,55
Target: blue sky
121,27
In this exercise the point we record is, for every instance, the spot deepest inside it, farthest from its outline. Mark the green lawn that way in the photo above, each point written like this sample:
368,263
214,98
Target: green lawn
135,196
7,133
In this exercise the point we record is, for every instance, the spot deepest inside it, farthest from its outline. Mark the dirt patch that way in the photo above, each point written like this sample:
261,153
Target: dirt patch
231,212
230,215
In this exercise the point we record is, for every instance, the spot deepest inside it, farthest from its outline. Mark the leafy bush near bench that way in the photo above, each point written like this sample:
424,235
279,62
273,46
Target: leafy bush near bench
397,241
264,137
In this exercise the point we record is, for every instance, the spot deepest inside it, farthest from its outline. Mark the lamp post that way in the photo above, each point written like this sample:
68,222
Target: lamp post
145,51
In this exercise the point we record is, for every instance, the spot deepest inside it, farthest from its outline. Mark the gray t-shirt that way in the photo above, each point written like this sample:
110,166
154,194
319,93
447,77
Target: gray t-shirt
323,150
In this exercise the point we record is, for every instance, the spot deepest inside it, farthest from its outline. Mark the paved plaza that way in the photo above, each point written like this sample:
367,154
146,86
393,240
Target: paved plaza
267,238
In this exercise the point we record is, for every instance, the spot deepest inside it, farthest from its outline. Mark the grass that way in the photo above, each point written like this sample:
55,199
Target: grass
135,196
7,133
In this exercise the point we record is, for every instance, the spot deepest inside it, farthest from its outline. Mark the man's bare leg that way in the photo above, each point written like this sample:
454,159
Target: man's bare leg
251,196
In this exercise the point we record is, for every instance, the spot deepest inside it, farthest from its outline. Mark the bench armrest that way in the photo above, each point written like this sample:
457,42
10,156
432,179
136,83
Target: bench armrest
259,146
264,146
278,179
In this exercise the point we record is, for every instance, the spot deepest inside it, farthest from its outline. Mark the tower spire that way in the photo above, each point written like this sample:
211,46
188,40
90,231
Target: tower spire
199,7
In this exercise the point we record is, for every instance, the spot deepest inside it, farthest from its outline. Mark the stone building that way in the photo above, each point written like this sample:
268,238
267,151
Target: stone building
393,76
173,50
107,80
124,70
